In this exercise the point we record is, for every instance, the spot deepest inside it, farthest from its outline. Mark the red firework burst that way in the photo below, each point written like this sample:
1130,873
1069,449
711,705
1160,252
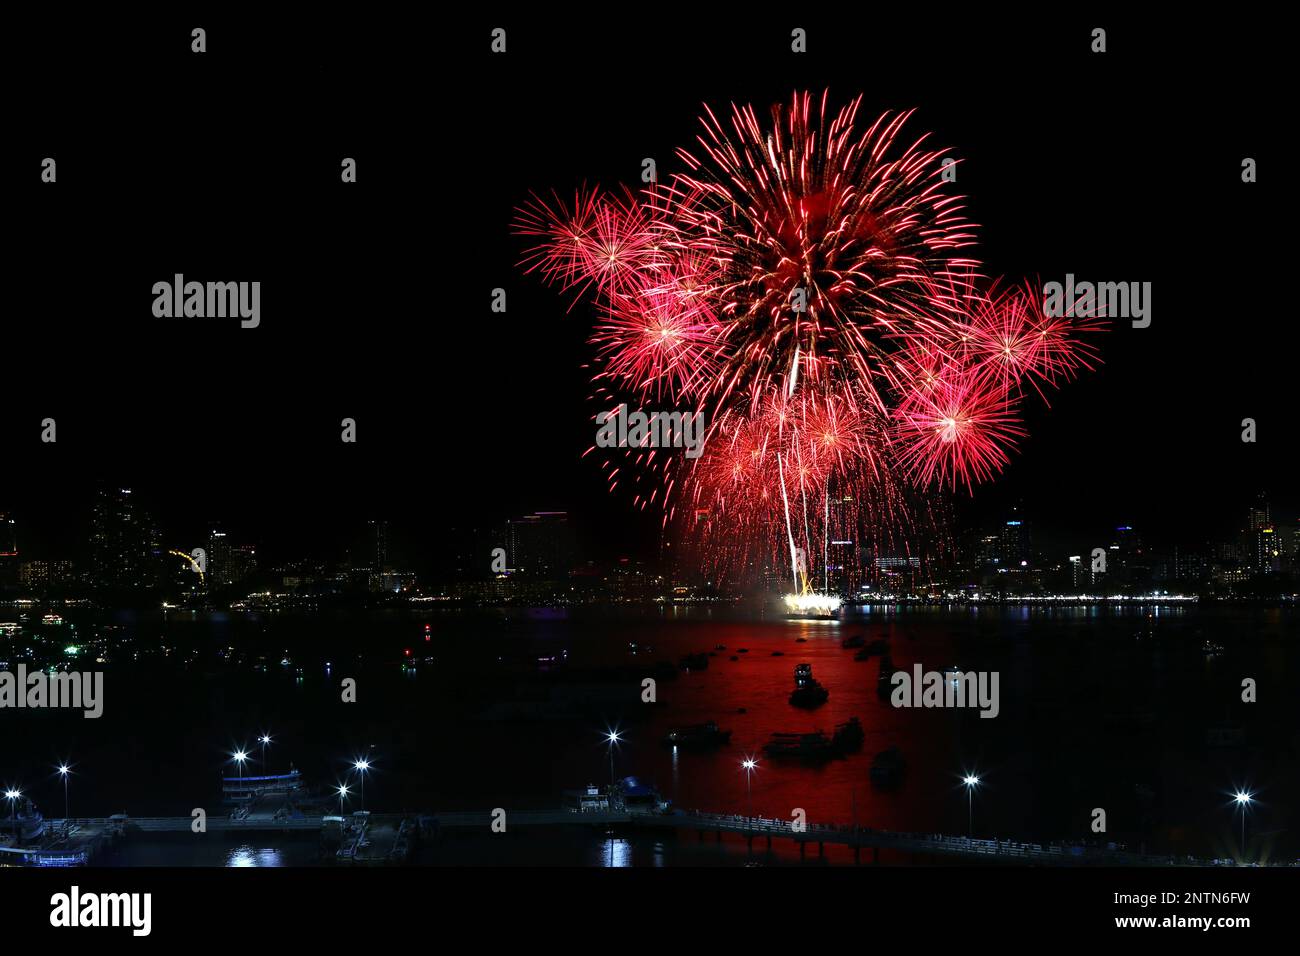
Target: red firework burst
802,284
958,428
661,337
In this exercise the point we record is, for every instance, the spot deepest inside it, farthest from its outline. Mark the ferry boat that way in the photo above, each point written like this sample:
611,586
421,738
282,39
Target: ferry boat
813,746
808,692
697,736
240,789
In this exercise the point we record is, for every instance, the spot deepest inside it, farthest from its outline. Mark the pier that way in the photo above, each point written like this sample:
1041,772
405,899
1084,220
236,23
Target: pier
379,838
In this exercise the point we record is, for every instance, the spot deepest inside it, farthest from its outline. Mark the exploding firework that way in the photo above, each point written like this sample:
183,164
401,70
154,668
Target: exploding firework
803,283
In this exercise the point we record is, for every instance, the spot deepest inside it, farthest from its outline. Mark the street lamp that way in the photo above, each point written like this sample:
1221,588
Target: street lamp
750,764
64,771
342,792
1243,799
971,781
239,756
12,796
361,766
264,740
612,738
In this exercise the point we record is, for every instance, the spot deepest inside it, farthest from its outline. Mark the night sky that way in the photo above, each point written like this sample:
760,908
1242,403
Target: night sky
375,300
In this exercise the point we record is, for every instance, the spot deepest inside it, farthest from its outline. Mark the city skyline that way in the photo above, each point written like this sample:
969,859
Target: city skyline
126,531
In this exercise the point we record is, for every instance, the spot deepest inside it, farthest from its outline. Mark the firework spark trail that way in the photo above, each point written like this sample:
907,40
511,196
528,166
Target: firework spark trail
900,372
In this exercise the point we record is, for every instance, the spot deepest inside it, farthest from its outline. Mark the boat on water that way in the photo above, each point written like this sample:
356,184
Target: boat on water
697,736
23,824
240,789
812,746
808,692
887,767
848,736
857,640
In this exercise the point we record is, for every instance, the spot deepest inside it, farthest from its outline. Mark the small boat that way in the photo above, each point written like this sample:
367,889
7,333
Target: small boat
778,653
857,640
742,650
720,647
887,767
813,746
697,736
801,640
733,657
808,692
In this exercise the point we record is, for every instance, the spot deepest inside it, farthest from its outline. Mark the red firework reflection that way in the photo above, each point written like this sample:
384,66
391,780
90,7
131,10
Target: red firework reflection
802,283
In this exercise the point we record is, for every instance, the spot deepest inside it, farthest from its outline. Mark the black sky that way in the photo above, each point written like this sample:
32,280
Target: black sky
1123,166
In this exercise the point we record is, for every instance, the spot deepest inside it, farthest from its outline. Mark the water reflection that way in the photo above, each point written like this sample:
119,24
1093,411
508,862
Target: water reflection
254,856
617,853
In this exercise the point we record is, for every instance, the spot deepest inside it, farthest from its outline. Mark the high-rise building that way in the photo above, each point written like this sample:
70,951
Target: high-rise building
541,545
41,574
1014,545
8,549
8,536
1262,545
379,546
219,572
1080,574
125,545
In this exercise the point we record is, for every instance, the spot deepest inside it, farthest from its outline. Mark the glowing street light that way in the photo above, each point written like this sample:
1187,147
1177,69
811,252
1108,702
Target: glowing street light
12,796
612,738
361,766
750,765
1243,799
264,740
342,792
971,782
239,756
65,771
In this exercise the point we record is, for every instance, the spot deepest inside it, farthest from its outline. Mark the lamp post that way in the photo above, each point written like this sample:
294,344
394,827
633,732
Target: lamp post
239,756
612,738
264,740
65,771
361,766
971,781
1243,800
342,792
12,796
749,763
